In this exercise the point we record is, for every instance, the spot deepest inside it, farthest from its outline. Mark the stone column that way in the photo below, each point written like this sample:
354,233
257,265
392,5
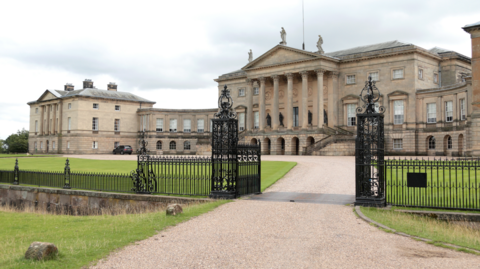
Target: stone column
333,99
54,121
261,103
275,121
49,107
42,119
473,96
289,105
319,101
304,117
249,115
455,115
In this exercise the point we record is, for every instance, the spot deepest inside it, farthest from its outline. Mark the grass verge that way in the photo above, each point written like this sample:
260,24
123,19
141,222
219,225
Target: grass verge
436,230
81,240
273,171
22,155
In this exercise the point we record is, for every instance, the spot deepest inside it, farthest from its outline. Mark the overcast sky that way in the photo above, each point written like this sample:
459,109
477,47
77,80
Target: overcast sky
170,51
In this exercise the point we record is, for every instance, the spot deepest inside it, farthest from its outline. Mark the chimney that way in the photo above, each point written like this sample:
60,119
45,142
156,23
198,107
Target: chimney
87,83
69,87
112,86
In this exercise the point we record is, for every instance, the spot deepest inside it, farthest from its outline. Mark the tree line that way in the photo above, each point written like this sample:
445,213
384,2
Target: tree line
15,143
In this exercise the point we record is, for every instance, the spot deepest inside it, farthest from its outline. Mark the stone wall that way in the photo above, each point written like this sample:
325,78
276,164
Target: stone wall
85,201
341,148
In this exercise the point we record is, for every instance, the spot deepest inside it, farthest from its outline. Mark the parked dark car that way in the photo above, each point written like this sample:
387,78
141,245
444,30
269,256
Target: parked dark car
123,150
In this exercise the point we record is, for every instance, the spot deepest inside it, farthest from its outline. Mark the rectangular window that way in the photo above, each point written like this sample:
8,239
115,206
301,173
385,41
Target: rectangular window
431,113
295,117
241,92
144,122
420,73
69,105
241,121
397,73
159,125
69,124
374,76
351,115
116,144
200,126
95,124
187,126
117,108
35,145
397,143
41,144
95,145
255,90
398,112
449,111
211,125
36,110
256,122
36,126
462,110
68,144
95,106
173,125
435,78
350,79
53,145
117,125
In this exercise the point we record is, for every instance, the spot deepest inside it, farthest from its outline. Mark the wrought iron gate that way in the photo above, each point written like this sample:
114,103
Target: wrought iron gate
370,150
235,168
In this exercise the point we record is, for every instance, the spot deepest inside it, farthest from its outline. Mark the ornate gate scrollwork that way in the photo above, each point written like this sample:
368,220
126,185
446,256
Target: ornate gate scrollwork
369,149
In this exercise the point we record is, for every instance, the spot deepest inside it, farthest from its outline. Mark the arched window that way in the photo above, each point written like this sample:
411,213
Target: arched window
186,145
449,143
173,145
159,144
431,143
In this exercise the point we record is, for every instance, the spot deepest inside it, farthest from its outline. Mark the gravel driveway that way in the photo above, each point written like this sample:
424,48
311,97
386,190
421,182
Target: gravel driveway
256,234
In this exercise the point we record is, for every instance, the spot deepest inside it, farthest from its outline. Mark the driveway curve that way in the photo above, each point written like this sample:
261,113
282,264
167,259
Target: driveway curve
256,234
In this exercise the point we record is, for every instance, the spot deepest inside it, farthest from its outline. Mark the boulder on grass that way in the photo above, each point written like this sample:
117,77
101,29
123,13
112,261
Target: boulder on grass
174,209
41,251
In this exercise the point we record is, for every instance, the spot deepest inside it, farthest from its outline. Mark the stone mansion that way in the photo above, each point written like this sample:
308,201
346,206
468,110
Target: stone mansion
294,101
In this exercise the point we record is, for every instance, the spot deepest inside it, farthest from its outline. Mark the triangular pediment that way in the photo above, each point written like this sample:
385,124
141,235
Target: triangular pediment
47,95
281,55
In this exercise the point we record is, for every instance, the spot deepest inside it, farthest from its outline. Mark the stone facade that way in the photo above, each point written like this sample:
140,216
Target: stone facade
304,87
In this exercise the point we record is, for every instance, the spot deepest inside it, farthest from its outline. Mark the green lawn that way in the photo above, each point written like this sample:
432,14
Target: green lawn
450,184
81,240
425,227
172,179
21,155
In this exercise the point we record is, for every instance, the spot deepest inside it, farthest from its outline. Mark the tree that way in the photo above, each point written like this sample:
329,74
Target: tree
2,144
17,142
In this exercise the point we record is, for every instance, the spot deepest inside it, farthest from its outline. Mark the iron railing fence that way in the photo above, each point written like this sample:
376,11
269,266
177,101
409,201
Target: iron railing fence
7,176
449,184
176,175
115,182
54,179
248,169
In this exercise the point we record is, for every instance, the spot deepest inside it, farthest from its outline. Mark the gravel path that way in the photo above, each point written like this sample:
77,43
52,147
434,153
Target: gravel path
255,234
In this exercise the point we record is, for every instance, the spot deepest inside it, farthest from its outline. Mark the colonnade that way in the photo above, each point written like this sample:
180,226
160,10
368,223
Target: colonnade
52,123
318,103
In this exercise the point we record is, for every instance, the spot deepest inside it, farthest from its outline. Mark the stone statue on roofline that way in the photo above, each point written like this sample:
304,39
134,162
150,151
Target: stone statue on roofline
250,56
319,45
283,35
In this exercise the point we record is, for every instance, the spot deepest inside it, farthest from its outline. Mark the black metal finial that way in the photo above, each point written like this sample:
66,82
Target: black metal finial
371,95
225,104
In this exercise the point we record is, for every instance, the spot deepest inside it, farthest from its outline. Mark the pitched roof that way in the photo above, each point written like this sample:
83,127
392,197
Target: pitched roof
361,49
97,93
